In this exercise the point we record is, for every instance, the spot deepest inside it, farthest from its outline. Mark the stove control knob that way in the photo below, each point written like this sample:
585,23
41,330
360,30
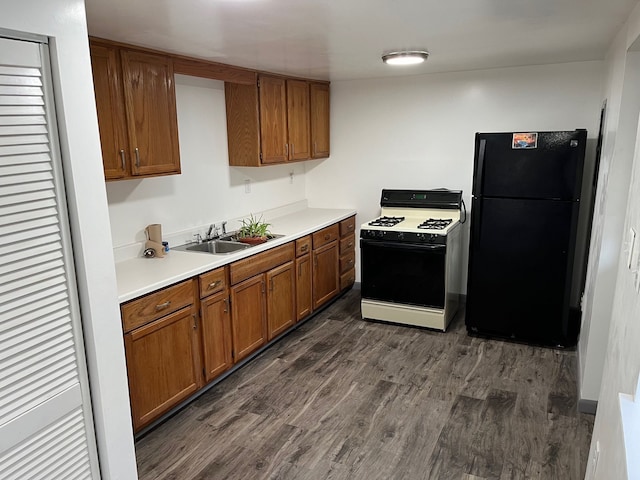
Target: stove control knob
400,235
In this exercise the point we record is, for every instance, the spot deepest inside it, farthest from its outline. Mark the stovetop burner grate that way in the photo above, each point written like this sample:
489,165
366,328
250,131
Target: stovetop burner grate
386,221
435,223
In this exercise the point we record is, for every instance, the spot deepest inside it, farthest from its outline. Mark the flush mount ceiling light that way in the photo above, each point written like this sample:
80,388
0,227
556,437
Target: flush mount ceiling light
407,57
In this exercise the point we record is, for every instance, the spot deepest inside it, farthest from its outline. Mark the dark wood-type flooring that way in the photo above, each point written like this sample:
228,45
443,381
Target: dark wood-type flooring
343,398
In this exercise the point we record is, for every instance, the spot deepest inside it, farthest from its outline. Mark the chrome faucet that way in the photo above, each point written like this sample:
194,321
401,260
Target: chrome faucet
224,228
211,227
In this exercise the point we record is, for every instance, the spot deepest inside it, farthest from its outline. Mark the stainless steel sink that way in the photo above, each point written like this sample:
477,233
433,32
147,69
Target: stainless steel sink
218,247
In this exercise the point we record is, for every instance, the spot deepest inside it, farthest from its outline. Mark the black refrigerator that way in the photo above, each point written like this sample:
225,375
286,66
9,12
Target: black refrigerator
525,204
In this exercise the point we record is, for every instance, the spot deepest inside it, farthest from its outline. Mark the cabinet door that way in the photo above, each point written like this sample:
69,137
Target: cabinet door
304,297
216,335
162,364
273,120
325,274
319,95
248,319
298,119
151,113
107,83
281,309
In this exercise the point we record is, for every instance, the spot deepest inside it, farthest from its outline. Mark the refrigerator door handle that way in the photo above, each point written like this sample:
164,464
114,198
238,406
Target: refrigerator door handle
477,186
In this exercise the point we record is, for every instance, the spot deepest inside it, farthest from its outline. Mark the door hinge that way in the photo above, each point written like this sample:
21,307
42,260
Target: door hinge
258,83
233,354
260,156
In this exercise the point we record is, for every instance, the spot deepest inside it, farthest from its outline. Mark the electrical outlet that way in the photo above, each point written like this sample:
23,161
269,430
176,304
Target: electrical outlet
247,186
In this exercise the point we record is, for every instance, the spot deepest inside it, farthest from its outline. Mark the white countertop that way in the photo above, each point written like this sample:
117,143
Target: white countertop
139,276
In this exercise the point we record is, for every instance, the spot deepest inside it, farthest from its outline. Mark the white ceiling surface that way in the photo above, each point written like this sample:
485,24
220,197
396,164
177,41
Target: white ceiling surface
344,39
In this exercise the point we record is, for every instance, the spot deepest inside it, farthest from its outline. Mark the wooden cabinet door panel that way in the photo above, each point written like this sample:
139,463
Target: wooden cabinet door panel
273,120
325,274
162,364
319,106
151,113
112,119
216,335
281,313
248,319
304,297
298,120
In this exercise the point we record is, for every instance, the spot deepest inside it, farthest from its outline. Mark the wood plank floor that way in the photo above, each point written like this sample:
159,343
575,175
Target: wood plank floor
343,398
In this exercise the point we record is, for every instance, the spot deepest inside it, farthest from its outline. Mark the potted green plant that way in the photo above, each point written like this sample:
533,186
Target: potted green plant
253,230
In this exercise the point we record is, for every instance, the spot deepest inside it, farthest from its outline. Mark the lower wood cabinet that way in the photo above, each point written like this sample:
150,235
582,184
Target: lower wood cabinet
163,365
248,304
216,335
281,298
304,292
325,274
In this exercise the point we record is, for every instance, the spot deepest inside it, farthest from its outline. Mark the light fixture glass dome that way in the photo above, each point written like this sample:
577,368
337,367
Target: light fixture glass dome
408,57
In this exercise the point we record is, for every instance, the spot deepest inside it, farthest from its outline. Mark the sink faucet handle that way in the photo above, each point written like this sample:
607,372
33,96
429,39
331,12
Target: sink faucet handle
224,227
197,238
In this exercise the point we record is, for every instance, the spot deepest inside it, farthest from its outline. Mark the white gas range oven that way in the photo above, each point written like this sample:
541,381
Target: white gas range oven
410,258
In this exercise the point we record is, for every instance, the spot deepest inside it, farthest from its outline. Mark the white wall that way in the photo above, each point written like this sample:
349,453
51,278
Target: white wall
622,93
418,132
208,190
622,363
64,21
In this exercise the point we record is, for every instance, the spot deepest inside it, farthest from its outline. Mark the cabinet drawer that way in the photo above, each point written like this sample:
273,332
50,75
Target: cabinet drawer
155,305
347,244
256,264
347,262
347,226
213,282
303,245
347,279
324,236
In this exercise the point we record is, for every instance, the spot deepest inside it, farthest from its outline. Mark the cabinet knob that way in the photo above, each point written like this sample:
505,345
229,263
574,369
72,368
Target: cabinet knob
304,248
214,284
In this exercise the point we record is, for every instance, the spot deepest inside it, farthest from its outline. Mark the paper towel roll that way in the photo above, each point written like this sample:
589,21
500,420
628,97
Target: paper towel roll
154,232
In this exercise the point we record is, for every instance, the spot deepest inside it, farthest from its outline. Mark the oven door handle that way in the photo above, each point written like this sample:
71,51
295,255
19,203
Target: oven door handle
403,246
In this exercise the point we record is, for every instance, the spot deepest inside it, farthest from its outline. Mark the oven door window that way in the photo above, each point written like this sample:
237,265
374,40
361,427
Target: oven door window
403,273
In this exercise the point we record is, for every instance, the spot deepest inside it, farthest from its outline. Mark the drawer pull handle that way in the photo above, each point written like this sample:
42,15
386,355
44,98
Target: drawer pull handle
214,284
350,244
226,305
304,248
327,236
350,227
122,162
350,262
137,157
164,305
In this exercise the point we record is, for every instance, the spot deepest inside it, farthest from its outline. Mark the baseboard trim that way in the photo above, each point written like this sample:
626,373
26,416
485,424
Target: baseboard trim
587,406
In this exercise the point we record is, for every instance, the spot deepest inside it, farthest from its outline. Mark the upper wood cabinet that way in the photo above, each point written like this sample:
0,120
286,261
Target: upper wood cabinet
298,120
271,122
273,119
136,106
319,108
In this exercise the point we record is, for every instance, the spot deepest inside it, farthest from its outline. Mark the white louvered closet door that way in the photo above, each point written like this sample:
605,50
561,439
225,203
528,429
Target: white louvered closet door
46,429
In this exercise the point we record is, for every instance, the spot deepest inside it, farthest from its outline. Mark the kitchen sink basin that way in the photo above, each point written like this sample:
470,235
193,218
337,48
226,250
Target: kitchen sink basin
219,247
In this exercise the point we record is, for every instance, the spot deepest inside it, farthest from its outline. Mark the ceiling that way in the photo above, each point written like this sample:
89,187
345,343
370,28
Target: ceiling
344,39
